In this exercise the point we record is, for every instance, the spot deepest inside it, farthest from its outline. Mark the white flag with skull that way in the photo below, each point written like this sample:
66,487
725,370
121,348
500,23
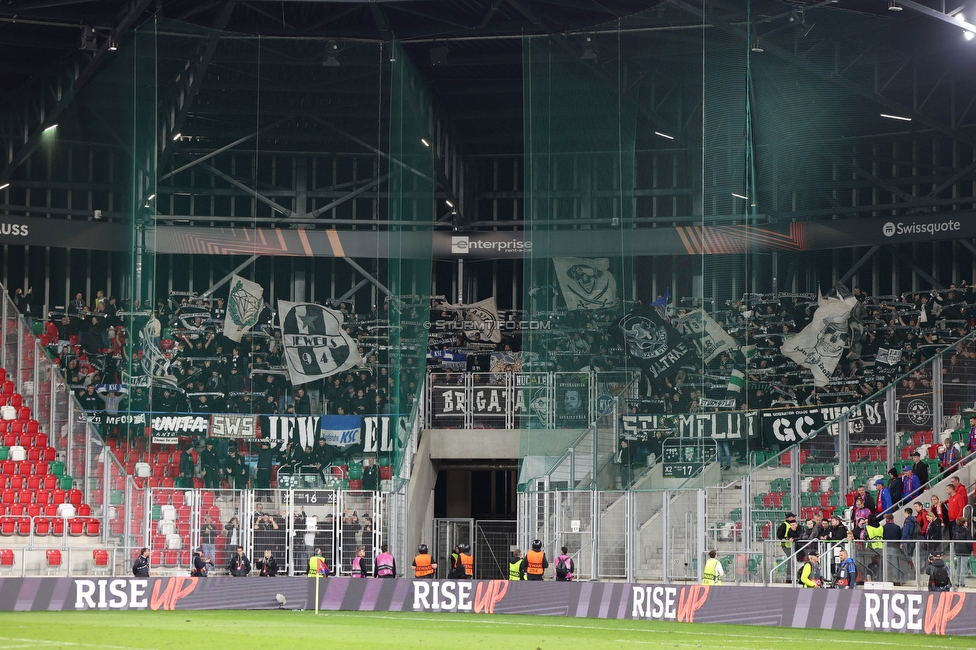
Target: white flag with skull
316,346
244,303
586,283
479,317
820,344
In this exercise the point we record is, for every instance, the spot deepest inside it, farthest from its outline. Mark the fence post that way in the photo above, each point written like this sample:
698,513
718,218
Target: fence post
891,414
666,538
843,458
937,394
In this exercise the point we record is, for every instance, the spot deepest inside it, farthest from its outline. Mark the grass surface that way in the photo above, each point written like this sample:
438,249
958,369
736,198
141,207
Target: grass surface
242,630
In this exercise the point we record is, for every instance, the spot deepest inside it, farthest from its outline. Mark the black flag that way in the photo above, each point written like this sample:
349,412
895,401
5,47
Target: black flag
658,348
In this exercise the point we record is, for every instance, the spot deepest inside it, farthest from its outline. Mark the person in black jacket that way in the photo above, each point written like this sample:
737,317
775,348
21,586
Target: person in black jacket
210,465
199,564
238,565
267,565
895,487
963,542
140,568
920,469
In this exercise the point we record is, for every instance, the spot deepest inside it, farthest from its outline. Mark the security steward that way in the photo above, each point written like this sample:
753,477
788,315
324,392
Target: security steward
467,561
535,561
317,565
423,565
516,570
713,571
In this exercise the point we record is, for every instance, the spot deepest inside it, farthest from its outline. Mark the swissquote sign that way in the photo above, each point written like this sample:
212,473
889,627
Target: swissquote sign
946,613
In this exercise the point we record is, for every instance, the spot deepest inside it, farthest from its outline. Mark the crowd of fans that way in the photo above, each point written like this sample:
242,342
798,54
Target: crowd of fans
202,371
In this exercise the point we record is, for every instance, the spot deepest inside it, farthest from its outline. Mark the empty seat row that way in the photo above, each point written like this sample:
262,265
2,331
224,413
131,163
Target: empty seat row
76,526
61,509
41,496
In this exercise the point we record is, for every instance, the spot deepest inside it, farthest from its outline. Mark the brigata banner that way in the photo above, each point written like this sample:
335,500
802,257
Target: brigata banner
916,612
225,425
166,429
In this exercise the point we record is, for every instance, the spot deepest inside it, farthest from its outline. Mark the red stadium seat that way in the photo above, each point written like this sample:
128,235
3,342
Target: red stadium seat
8,525
100,561
76,526
93,527
53,556
42,526
84,510
57,526
24,525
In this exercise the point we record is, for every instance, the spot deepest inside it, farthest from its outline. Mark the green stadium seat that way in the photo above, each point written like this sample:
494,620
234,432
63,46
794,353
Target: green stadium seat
56,468
4,452
66,482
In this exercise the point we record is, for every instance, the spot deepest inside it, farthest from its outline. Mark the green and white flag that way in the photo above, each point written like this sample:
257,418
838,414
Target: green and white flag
244,305
737,382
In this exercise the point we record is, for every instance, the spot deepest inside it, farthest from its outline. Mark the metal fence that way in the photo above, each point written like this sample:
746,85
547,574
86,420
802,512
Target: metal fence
290,524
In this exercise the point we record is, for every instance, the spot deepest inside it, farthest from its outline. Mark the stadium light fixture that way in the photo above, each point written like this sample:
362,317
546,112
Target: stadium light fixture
968,29
896,117
113,43
664,135
4,186
425,143
50,128
151,197
757,46
893,6
449,204
739,196
177,137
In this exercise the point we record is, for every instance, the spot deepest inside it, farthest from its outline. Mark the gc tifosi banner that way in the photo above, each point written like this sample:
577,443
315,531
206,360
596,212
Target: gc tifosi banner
586,283
785,427
316,346
820,344
244,303
915,612
234,426
166,429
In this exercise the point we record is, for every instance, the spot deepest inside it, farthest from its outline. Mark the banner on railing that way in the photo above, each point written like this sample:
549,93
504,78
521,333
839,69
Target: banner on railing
785,427
233,426
740,425
116,419
167,429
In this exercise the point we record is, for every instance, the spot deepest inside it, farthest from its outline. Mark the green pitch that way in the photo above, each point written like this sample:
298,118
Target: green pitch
356,631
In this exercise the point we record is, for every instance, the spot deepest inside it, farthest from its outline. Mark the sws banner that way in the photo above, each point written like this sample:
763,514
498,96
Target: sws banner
234,426
785,427
945,613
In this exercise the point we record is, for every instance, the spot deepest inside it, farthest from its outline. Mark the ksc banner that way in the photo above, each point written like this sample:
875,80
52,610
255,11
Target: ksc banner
341,430
376,434
785,427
